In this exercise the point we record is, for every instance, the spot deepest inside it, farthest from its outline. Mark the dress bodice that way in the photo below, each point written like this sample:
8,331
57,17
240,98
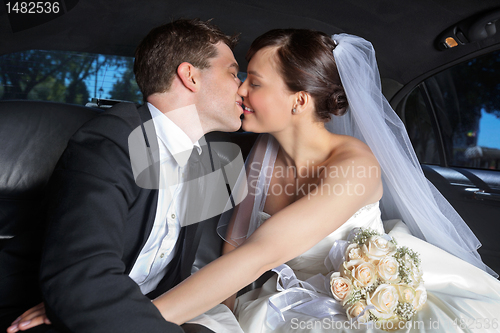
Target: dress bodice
311,262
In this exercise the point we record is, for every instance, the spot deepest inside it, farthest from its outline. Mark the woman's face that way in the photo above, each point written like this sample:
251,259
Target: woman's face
268,102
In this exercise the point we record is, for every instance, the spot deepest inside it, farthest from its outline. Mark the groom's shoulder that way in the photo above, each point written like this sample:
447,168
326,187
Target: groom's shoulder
119,120
125,113
111,128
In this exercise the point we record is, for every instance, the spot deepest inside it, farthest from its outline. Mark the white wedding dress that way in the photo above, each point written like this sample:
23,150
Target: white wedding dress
461,297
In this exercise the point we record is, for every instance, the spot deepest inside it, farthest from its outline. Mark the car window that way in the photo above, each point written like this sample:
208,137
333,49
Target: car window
453,117
417,119
69,77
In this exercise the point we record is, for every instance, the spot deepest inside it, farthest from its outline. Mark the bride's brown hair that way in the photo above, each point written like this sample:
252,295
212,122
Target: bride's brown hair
306,63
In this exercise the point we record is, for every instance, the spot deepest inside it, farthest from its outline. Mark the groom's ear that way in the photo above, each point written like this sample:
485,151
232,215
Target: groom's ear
189,76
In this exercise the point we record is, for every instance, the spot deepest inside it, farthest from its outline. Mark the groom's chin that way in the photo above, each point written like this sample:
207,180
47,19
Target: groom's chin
229,127
237,127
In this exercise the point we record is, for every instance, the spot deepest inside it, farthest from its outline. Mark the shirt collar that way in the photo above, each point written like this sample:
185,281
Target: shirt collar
173,137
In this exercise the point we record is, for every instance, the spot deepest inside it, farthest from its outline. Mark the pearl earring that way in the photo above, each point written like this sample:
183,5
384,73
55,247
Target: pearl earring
294,111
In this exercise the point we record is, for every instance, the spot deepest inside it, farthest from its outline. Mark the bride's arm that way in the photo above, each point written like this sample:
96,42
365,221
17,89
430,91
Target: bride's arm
287,234
229,302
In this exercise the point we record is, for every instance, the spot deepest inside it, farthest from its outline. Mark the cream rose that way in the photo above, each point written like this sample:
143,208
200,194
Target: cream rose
363,274
341,287
377,247
354,310
353,252
387,269
406,294
420,297
384,299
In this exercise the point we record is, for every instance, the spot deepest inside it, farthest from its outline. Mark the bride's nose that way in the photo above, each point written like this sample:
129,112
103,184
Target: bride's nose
242,90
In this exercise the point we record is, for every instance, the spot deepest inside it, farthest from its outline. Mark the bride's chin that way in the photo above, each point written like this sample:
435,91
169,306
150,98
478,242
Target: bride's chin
246,125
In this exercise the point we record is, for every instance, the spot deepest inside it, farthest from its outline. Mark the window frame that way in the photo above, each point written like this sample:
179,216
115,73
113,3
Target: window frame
420,83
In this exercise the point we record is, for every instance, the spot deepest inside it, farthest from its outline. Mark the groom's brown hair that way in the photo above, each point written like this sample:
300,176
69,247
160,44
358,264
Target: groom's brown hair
166,47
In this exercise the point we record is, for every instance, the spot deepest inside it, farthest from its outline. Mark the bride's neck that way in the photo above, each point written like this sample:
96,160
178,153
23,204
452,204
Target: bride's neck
305,144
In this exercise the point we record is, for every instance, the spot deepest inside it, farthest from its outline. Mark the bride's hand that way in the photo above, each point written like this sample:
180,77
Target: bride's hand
31,318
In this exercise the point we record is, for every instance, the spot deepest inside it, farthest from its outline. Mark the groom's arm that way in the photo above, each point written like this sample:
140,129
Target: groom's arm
83,277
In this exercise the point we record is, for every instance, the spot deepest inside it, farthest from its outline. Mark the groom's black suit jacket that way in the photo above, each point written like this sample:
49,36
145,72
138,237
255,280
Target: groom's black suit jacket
99,219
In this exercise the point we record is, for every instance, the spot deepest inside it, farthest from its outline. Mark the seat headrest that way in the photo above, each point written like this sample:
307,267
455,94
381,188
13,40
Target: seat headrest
33,136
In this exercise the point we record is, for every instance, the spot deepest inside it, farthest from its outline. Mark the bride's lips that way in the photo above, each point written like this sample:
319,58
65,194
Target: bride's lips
247,110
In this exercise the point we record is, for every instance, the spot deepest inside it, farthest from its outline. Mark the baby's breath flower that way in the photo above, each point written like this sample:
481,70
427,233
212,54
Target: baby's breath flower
405,271
356,296
374,286
371,317
402,251
405,311
363,235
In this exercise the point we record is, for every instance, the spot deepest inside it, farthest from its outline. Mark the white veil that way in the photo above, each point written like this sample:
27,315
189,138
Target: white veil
408,195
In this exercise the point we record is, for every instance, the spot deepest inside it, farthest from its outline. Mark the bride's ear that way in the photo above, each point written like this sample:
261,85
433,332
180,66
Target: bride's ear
302,101
189,76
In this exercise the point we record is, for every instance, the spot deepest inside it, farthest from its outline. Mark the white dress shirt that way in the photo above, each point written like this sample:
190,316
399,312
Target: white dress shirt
175,148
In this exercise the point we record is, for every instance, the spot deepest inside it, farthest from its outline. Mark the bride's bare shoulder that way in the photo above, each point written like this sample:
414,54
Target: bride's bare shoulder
352,161
346,147
349,153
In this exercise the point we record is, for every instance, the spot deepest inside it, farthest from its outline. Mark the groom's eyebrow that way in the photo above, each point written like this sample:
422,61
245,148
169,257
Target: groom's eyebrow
235,65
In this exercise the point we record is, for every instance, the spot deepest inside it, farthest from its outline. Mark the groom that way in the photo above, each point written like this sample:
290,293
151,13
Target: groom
116,239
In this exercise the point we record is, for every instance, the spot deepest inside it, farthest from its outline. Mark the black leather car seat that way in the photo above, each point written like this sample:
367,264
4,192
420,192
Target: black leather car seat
33,136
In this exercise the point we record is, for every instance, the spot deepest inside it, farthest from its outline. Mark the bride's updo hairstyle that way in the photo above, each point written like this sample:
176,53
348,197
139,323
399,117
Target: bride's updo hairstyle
306,63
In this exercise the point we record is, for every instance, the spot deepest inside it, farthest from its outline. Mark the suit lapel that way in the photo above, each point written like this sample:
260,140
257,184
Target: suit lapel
152,144
145,121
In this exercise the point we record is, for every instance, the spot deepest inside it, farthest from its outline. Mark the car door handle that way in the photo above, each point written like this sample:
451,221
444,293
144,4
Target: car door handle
482,195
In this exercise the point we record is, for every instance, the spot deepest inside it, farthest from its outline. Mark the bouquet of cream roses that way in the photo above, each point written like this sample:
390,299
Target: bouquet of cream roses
379,281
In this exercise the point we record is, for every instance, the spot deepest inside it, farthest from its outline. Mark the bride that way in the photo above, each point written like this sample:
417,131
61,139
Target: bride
307,178
336,157
296,80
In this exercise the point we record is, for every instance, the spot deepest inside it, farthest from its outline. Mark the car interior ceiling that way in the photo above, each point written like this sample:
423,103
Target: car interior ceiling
402,32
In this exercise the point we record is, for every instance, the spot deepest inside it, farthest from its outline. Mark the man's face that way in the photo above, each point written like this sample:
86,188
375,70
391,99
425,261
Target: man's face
219,101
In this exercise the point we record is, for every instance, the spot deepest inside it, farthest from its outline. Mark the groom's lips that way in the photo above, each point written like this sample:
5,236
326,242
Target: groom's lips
240,104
